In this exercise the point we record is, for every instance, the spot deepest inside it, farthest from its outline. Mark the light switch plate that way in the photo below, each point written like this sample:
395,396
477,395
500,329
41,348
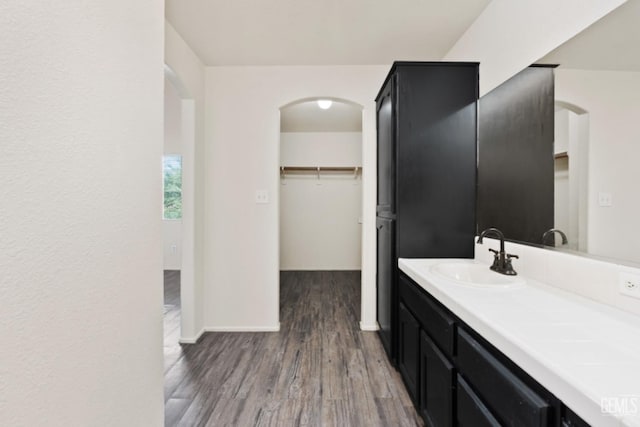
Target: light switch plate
262,196
605,199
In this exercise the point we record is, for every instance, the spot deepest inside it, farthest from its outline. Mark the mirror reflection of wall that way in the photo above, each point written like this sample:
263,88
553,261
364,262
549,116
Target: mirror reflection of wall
597,143
597,92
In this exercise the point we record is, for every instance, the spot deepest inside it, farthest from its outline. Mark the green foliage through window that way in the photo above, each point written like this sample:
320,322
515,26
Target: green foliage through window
172,177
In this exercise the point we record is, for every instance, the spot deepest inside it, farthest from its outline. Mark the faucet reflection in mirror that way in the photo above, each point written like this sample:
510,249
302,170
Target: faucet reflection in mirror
501,259
551,232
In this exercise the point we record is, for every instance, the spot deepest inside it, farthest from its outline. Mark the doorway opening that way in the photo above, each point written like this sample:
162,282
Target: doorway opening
571,148
172,215
320,197
179,211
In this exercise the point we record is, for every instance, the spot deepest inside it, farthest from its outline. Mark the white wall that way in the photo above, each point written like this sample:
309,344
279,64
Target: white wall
561,201
335,149
172,119
241,247
509,35
188,75
613,105
561,131
319,218
80,253
172,244
172,228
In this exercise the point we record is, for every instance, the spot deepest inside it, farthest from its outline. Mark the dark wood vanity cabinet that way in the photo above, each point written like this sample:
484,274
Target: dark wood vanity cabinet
426,166
437,383
456,378
409,350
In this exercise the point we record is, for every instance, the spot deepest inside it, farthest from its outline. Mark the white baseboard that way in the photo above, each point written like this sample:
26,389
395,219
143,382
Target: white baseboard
368,327
192,340
274,328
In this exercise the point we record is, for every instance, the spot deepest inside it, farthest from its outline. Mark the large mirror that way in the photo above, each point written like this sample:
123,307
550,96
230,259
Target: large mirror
597,139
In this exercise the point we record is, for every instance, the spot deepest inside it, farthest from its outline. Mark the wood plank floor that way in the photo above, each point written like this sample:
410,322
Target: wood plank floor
319,370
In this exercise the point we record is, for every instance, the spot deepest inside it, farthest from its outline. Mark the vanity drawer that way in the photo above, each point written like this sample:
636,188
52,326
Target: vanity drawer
437,322
509,399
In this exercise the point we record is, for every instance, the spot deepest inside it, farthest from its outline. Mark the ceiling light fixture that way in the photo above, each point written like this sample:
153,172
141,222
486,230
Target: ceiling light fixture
325,104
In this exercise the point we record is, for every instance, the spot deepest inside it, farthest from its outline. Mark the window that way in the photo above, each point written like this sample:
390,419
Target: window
172,177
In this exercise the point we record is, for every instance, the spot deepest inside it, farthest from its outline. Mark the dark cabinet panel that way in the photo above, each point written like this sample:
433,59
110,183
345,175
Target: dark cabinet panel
438,323
386,152
408,350
511,401
471,412
515,156
437,379
436,159
385,272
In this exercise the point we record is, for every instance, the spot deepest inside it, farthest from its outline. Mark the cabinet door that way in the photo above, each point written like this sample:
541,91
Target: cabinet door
386,151
436,161
436,320
408,350
471,412
385,279
437,379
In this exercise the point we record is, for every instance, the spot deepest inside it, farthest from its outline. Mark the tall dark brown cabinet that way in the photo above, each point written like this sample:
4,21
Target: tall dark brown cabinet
427,121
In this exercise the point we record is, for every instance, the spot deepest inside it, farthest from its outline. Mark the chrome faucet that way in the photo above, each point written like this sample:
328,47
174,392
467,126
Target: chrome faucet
550,232
501,260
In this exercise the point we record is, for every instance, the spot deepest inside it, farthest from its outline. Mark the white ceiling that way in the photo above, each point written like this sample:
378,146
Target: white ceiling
613,43
320,32
308,117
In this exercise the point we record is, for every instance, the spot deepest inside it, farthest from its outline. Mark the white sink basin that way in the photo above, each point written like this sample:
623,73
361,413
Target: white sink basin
475,275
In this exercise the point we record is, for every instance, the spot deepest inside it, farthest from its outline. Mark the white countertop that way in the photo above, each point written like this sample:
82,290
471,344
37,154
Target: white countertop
583,352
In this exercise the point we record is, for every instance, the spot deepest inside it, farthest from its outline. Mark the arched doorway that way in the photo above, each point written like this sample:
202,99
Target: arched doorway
571,170
320,192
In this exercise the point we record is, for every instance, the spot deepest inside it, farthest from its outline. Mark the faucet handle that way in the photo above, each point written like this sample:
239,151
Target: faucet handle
496,260
508,267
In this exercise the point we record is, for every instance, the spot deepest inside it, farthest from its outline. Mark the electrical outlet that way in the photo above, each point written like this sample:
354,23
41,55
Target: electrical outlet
629,284
262,196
